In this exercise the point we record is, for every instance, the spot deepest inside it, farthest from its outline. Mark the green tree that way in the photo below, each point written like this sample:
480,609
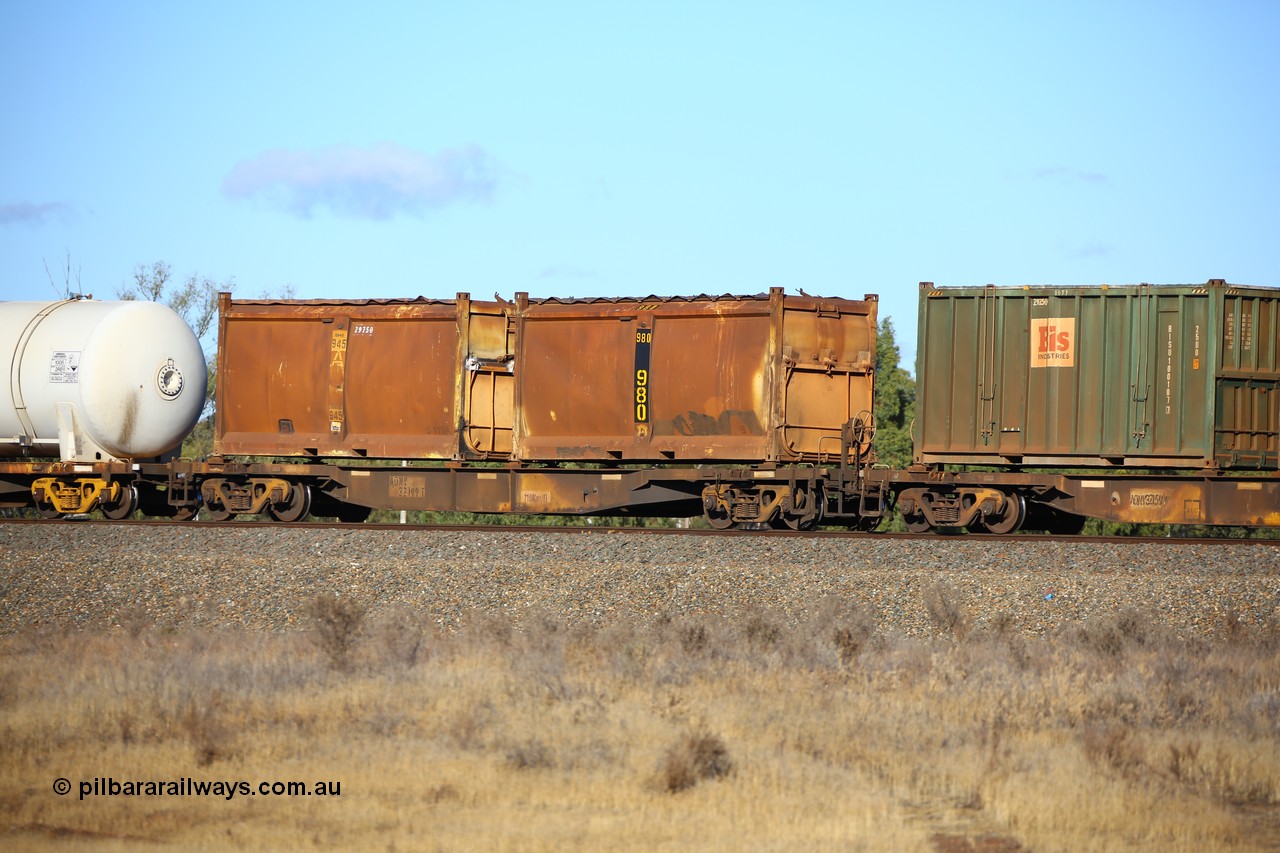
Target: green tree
195,300
895,407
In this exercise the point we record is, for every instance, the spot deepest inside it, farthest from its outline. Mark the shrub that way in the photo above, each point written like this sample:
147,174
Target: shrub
530,755
402,636
695,757
693,638
762,631
203,721
1113,745
338,622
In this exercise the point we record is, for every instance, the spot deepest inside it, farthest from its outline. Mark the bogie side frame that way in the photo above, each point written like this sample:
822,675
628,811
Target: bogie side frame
1003,501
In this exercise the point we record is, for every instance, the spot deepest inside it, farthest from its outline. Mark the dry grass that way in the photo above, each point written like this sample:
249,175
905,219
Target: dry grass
680,734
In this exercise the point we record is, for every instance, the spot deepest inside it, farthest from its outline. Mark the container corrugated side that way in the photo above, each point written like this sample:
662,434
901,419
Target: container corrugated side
375,379
714,378
1112,375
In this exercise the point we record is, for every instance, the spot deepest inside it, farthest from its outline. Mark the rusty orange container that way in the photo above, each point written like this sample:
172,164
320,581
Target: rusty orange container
371,378
1173,376
761,378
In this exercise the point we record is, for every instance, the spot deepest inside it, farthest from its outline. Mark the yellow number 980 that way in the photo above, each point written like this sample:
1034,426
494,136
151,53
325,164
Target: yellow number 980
642,395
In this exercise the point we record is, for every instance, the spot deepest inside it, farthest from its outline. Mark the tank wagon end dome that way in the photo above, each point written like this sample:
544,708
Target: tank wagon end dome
99,380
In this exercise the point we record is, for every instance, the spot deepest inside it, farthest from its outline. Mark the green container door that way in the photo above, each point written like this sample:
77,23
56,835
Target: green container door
1247,423
1173,373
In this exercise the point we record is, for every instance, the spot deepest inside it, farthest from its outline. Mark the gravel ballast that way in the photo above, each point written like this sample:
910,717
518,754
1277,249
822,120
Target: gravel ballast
264,577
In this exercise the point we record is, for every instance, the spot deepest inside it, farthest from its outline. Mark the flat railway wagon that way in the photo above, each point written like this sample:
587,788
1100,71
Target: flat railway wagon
1166,396
750,410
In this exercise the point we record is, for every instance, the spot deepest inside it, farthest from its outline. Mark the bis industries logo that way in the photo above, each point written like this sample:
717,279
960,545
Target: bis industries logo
1053,342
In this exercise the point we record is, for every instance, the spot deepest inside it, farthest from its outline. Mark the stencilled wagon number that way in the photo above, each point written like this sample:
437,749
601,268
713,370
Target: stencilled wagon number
407,486
641,398
362,329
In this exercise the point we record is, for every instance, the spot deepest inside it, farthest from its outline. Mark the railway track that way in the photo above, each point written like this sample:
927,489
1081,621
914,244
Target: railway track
265,576
569,530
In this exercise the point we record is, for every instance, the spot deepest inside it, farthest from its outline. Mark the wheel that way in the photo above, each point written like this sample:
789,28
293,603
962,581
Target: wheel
295,508
47,510
717,512
718,519
912,516
123,506
917,523
1015,512
216,512
803,516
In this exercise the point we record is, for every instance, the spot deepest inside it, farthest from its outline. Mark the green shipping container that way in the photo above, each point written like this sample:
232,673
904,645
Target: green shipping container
1156,376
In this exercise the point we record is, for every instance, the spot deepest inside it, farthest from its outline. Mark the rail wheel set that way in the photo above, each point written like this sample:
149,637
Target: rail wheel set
1037,407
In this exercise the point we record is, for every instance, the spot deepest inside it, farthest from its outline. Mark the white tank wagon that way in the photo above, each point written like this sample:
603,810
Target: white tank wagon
90,381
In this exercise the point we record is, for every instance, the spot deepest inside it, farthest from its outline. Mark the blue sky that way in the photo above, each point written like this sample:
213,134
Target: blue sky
578,149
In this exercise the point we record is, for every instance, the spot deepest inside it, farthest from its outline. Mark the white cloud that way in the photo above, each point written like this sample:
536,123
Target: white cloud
377,182
28,213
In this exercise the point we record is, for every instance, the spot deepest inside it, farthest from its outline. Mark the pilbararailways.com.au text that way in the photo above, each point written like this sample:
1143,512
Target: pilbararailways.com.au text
188,787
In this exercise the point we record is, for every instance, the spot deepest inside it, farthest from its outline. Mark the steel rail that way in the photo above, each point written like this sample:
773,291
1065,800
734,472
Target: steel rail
559,530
